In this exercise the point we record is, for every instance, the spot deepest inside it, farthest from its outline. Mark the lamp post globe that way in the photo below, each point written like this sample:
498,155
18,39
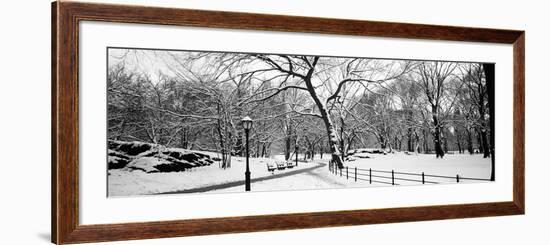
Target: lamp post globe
247,125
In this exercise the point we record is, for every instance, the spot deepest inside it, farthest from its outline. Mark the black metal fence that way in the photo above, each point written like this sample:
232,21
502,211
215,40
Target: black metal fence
391,177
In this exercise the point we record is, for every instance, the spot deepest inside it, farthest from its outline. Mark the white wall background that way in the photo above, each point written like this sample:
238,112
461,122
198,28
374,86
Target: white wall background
25,121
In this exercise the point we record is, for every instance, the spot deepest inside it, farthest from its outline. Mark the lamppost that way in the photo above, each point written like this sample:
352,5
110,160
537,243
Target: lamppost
247,125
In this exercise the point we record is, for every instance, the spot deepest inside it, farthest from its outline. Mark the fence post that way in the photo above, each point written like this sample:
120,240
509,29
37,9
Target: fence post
422,177
457,178
370,176
392,181
355,174
347,177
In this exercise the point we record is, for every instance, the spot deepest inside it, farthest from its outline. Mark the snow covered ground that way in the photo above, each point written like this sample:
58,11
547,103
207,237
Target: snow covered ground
122,182
311,175
465,165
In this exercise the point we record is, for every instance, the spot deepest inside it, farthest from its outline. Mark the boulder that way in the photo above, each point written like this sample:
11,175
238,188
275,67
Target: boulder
152,158
116,160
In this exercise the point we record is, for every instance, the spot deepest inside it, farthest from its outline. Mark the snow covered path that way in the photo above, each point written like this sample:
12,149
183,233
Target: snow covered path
318,177
253,181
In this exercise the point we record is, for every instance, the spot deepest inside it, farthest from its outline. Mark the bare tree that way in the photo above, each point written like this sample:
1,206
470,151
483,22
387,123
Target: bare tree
310,103
434,77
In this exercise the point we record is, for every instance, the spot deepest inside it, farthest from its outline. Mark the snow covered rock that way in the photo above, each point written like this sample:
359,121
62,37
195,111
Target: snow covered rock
130,148
362,155
146,164
117,160
159,163
152,158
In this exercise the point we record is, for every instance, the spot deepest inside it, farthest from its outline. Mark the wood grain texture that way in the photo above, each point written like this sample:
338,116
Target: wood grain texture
65,208
519,122
65,124
194,227
234,20
54,122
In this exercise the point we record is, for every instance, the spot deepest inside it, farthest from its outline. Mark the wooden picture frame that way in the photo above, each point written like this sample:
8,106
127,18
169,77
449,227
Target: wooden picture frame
65,122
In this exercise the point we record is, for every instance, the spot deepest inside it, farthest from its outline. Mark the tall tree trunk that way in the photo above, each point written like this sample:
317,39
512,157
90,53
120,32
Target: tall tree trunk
470,142
410,140
263,150
287,124
257,153
437,134
383,142
350,142
489,70
445,142
222,144
425,141
483,128
458,141
224,137
479,141
485,143
331,132
184,138
342,140
228,138
288,139
417,139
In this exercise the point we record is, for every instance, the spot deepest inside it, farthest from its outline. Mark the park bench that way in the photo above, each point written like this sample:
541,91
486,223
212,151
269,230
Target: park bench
290,164
271,166
281,165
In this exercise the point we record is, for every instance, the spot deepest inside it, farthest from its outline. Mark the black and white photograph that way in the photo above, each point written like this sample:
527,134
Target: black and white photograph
195,121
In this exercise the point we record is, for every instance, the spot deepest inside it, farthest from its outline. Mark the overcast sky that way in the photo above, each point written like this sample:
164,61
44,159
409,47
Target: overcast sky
148,62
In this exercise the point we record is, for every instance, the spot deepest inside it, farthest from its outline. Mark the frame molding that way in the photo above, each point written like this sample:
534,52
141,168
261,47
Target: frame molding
65,136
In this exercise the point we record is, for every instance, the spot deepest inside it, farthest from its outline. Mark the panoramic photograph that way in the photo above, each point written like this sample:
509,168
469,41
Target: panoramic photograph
186,121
